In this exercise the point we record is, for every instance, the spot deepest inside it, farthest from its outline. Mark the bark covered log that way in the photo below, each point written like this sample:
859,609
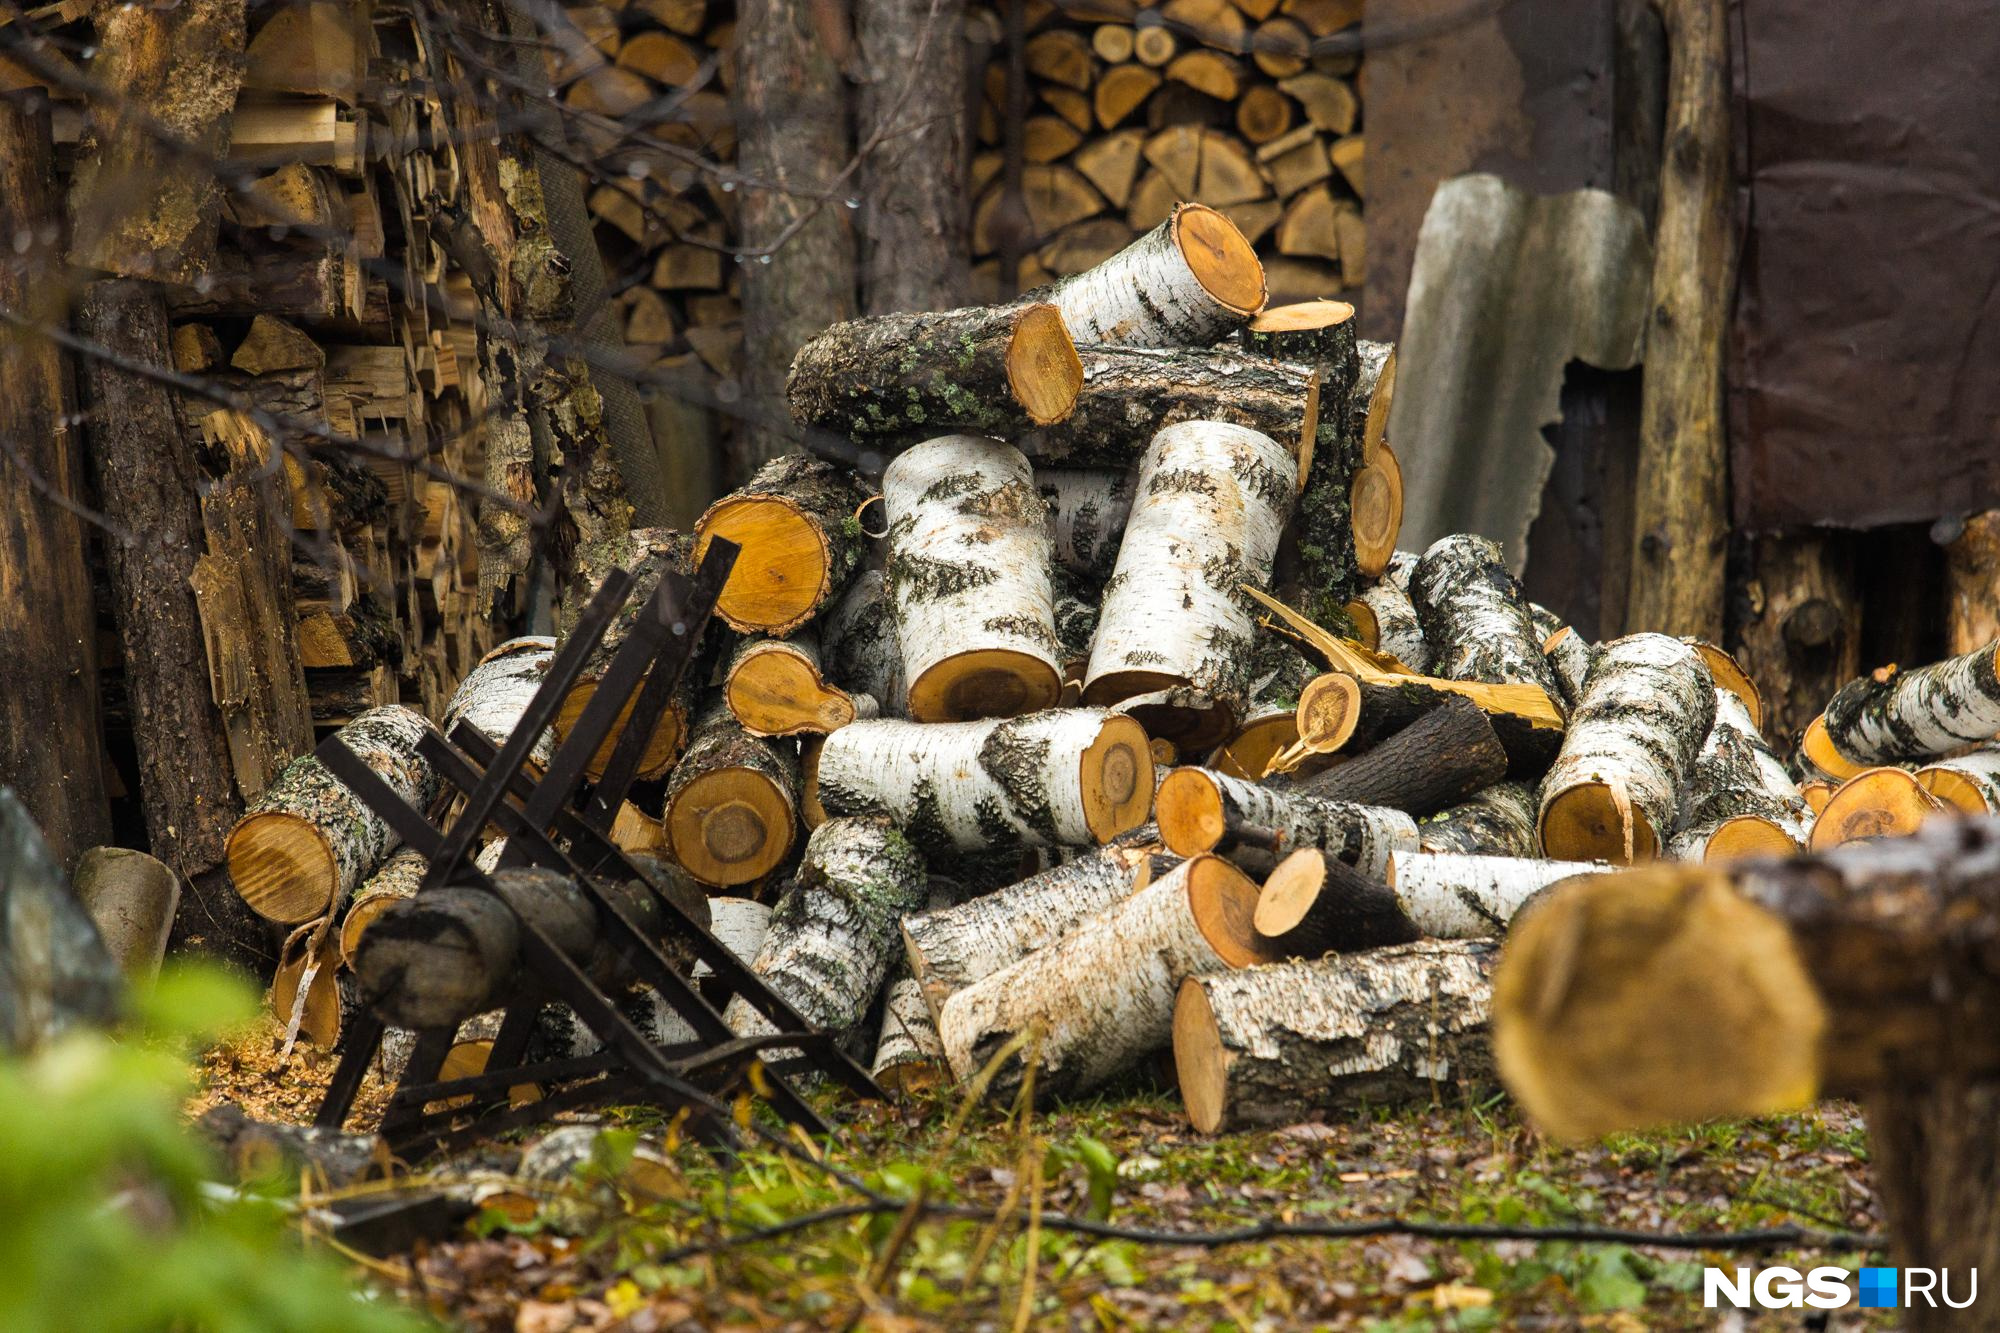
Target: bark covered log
1130,394
1444,756
495,694
1892,715
859,647
1614,792
1500,821
732,805
1571,657
801,541
1475,618
1387,622
1450,897
1972,584
779,687
1874,803
1740,801
396,879
1272,1045
1189,282
1200,810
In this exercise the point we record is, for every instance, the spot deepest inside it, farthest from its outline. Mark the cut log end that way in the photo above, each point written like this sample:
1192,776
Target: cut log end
283,867
1818,749
1289,893
987,682
1302,317
1367,626
1329,710
1730,675
1224,903
1747,836
1255,745
1956,790
1188,808
1043,368
778,693
1117,779
1221,260
1376,508
1201,1061
729,827
786,568
1590,822
1876,803
660,751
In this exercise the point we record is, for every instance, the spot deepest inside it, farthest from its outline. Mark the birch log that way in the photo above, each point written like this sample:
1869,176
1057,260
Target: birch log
1453,897
1446,755
1189,282
858,646
1373,396
1272,1045
1100,999
1066,777
1500,821
969,579
1967,782
1279,673
310,841
795,520
396,880
993,371
833,933
1875,803
1339,712
1387,622
1199,809
1571,656
779,687
1314,904
495,693
1088,508
1892,715
1614,791
1730,675
732,803
1210,503
949,949
1740,800
908,1054
1475,618
1130,394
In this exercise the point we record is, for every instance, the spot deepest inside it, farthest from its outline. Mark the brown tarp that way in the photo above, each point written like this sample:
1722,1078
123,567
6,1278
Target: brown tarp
1865,357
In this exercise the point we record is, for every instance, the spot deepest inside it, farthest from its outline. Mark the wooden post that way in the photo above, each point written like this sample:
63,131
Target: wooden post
1972,583
1681,520
51,751
1801,636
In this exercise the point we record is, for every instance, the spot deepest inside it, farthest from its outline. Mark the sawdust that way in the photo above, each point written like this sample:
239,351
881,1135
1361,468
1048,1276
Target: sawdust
249,1072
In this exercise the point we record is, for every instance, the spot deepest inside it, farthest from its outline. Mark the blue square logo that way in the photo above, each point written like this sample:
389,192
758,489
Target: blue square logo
1878,1289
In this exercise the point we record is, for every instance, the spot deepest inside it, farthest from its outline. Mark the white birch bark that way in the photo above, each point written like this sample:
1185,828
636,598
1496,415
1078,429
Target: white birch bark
1101,997
1571,657
1269,1045
858,645
969,573
1402,564
908,1038
1734,775
1474,617
1147,295
1977,785
1893,716
1454,897
1397,630
1499,821
973,785
1088,508
1361,835
397,879
495,693
1647,709
1210,503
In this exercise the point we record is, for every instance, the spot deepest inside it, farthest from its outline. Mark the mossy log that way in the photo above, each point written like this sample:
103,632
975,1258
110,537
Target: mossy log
797,523
732,803
1130,394
396,880
1571,657
1499,821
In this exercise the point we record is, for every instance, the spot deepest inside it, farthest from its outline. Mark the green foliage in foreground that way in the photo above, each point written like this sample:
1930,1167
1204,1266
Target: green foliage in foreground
105,1223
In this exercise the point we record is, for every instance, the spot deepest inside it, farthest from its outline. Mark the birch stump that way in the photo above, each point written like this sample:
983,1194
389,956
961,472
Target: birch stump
1088,509
1740,800
1892,715
1100,999
1966,782
495,694
1613,793
1386,621
732,803
990,371
310,841
1130,394
833,933
969,579
1210,503
951,948
1063,778
779,687
1272,1045
858,646
1475,618
1189,282
1200,810
795,520
1500,821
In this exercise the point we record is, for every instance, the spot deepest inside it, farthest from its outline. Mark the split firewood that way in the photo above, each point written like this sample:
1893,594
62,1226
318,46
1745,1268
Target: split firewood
1272,1045
1444,756
1064,777
308,844
1571,656
1475,618
495,693
396,880
996,371
1385,620
1111,163
778,687
1875,803
1100,999
131,897
1740,801
1613,793
969,578
1132,393
833,933
1894,715
1088,509
795,520
732,802
1500,821
1188,282
1123,89
858,644
1222,492
952,947
1201,810
1968,782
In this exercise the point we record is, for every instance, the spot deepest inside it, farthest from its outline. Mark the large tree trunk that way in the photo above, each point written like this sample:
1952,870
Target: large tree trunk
792,134
1272,1045
914,251
1972,585
51,747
